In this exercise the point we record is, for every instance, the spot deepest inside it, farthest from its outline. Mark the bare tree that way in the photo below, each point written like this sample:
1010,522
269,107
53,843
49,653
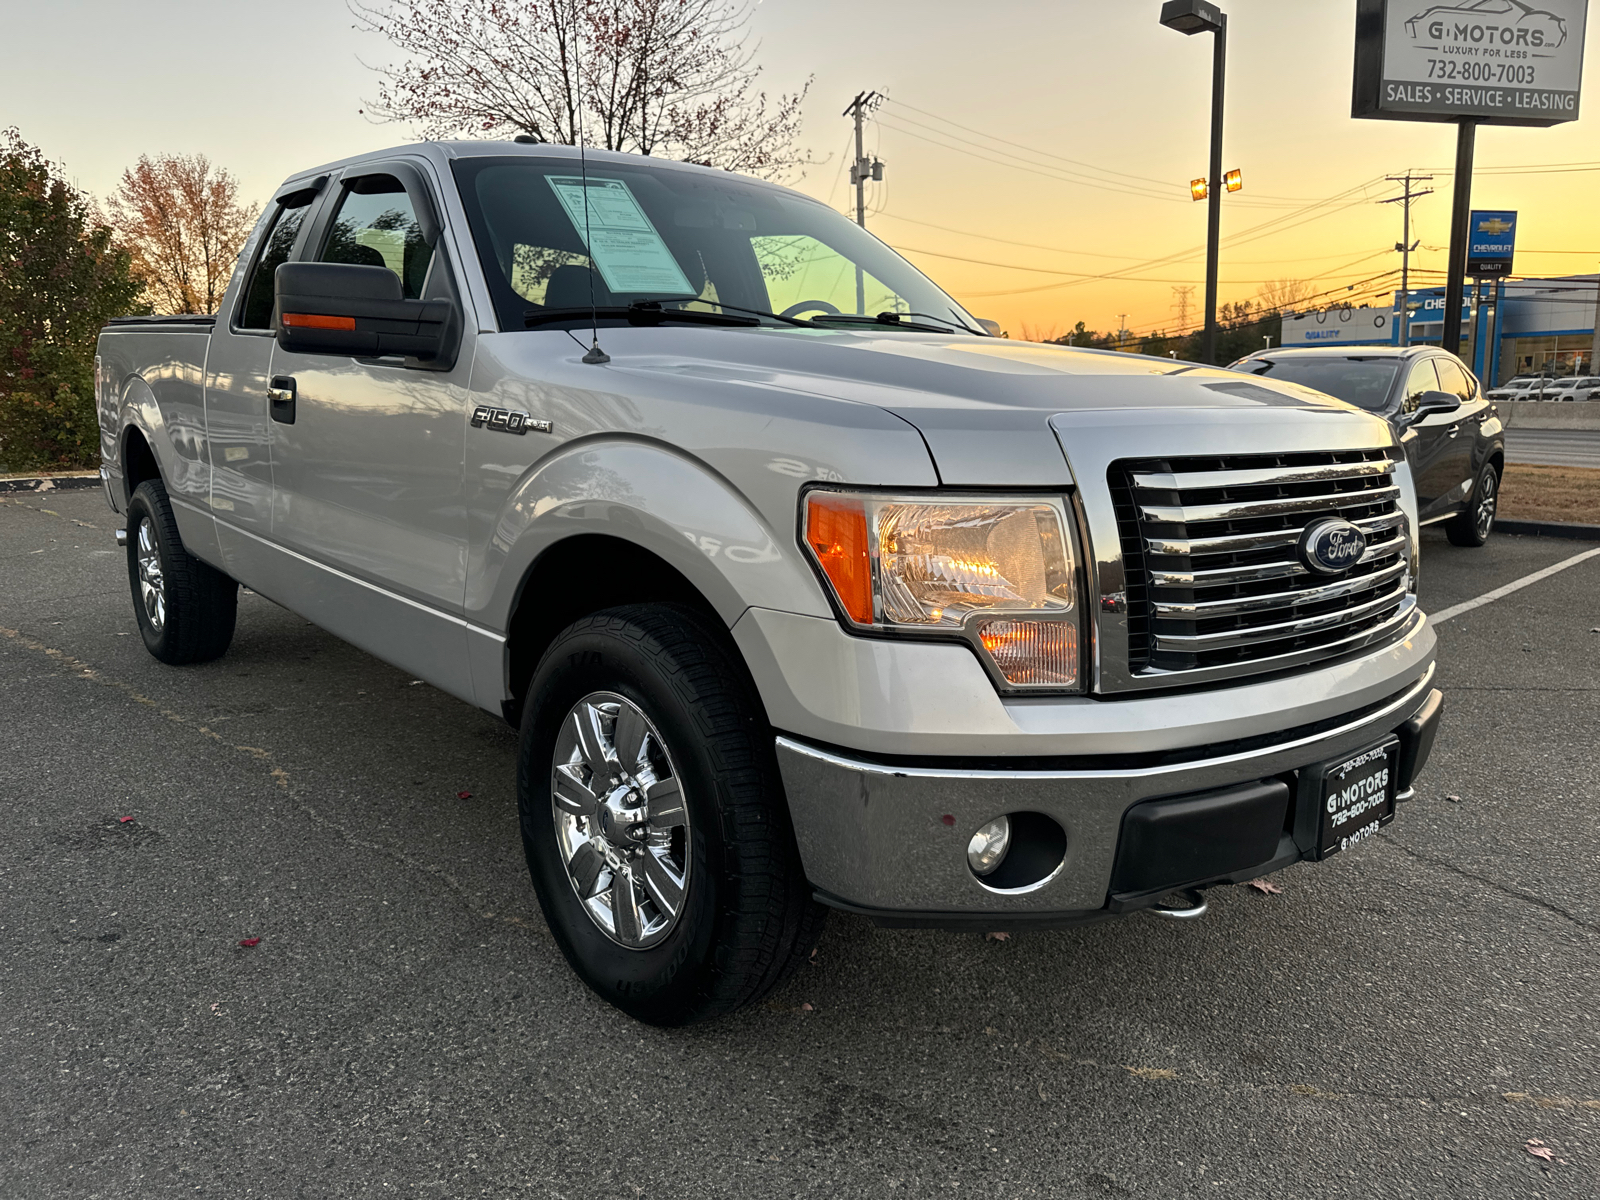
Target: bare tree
1284,295
666,77
182,221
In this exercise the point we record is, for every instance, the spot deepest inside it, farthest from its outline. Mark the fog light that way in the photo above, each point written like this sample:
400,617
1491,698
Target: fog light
988,846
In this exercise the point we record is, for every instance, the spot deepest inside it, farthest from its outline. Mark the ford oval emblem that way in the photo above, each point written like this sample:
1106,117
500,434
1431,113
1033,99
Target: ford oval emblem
1331,546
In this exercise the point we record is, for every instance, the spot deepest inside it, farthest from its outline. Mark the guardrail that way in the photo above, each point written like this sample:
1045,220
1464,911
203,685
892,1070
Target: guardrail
1550,414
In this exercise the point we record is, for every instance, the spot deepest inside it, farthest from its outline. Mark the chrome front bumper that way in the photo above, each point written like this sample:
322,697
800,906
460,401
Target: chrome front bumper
891,840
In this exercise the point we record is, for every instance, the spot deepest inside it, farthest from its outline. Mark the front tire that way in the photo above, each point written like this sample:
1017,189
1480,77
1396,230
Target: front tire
654,820
186,608
1472,527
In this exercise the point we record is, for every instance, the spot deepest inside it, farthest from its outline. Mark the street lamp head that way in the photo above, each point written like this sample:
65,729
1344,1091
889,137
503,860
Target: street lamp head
1193,16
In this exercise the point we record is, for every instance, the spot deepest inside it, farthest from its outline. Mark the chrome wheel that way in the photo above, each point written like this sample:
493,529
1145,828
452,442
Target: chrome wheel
152,584
621,826
1488,489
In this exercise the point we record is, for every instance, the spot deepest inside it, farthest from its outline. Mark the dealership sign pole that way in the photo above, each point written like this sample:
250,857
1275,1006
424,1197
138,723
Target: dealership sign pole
1472,62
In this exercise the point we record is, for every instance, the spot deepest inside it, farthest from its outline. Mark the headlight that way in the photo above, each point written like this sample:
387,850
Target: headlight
997,570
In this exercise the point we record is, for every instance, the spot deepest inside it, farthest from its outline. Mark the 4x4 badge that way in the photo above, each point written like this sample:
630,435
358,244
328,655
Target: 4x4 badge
504,420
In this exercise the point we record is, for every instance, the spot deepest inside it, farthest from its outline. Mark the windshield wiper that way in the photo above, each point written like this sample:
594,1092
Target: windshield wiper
757,312
640,312
890,319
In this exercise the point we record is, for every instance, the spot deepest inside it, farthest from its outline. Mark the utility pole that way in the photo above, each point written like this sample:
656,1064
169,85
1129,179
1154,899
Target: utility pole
1122,331
1405,245
863,168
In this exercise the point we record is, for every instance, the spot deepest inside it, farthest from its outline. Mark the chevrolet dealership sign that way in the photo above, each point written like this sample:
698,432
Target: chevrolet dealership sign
1504,62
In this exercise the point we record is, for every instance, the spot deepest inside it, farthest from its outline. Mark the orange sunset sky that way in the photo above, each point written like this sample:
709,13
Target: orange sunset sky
1034,148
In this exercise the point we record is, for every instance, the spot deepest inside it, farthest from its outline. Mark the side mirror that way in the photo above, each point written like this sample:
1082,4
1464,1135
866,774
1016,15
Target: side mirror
336,308
1427,404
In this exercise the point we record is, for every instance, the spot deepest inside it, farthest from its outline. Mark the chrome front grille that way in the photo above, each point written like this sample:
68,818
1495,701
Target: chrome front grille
1214,581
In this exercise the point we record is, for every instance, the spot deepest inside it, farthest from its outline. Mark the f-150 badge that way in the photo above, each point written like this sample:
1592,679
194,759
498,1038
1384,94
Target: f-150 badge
504,420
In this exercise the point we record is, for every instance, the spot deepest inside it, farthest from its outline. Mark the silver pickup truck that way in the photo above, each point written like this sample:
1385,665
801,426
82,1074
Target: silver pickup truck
803,591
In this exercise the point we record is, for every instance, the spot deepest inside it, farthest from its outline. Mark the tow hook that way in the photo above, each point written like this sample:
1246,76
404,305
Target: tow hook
1182,904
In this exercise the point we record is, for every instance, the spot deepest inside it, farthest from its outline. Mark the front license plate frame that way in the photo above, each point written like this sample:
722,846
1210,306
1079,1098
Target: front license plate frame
1356,796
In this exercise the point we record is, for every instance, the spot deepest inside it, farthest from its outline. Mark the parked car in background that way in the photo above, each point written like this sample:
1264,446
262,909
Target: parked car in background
1451,433
803,591
1588,388
1516,388
1574,387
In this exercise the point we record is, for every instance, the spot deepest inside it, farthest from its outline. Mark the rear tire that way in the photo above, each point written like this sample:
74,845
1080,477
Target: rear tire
1472,527
744,918
186,608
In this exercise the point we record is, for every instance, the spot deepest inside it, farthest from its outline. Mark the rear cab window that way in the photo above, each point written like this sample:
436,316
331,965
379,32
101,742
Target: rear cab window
255,309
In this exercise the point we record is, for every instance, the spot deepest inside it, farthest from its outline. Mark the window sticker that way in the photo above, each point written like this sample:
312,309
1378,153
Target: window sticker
622,242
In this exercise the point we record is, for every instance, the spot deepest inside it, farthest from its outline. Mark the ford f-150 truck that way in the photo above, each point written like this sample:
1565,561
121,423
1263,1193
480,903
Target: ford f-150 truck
803,591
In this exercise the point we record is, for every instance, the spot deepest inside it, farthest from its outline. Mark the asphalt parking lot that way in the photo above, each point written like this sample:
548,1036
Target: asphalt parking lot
1400,1021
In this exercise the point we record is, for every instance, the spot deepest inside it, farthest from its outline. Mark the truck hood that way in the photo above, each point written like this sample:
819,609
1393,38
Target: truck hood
994,412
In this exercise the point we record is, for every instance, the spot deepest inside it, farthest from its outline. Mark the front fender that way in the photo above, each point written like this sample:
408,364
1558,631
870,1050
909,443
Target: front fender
662,501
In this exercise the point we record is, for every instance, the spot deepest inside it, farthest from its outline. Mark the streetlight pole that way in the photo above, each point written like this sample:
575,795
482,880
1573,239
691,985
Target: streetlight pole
1191,17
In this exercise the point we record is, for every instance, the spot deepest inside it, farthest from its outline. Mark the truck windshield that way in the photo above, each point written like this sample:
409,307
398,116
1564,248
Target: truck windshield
1361,381
658,234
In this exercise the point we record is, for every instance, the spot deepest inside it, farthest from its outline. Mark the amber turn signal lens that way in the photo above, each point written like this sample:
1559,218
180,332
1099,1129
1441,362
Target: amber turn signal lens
1033,652
836,532
317,321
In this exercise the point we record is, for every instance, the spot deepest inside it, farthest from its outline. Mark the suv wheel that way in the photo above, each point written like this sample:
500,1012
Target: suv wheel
1471,528
654,819
186,608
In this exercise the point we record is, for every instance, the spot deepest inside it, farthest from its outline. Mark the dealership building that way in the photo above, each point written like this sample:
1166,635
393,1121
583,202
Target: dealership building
1516,326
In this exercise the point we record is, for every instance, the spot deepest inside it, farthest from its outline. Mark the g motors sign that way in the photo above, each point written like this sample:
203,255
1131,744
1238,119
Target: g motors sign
1503,62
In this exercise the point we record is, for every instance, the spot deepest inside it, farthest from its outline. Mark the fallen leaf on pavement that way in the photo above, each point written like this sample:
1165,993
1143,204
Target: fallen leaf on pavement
1152,1072
813,959
463,795
1265,887
1539,1150
123,820
997,937
807,1008
1453,798
250,942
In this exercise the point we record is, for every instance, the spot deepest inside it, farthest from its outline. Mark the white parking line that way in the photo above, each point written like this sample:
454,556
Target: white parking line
1516,585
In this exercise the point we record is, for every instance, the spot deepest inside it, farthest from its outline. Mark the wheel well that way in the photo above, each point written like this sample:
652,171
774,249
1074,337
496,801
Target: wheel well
138,461
579,576
1498,461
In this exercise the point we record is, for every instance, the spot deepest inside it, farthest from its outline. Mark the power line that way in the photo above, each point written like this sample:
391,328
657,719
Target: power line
988,237
1255,233
1082,275
1165,185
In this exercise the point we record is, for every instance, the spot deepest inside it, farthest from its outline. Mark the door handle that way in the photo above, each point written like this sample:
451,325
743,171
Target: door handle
281,397
1455,430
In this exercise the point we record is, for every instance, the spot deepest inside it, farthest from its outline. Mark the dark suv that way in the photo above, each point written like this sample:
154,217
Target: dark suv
1452,435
